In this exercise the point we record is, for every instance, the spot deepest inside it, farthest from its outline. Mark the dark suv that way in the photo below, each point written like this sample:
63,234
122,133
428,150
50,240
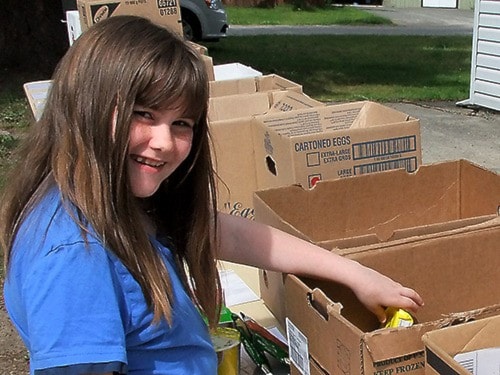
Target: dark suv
201,19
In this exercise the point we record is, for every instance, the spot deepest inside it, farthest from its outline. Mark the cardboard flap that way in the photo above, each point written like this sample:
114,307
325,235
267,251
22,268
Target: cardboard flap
276,82
273,217
453,319
374,114
351,244
237,106
284,101
474,335
469,227
232,87
390,205
383,344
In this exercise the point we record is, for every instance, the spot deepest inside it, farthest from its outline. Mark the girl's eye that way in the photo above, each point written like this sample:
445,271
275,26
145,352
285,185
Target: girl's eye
143,114
184,123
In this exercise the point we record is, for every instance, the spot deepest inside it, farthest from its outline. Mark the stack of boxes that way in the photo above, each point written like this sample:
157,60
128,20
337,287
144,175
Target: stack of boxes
307,168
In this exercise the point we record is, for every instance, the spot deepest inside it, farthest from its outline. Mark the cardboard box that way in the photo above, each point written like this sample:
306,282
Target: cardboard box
468,348
209,66
334,141
164,13
251,85
456,273
73,25
230,123
375,210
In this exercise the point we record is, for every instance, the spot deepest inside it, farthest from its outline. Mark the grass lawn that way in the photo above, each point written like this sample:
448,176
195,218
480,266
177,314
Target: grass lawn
345,68
287,15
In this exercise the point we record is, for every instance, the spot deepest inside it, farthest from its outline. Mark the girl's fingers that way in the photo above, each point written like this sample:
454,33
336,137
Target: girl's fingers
380,314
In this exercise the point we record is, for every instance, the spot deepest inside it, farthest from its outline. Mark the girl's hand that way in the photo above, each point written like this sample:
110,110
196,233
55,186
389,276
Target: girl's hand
377,292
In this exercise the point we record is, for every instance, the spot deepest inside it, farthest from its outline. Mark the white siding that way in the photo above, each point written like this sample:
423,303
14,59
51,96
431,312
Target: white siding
439,3
485,67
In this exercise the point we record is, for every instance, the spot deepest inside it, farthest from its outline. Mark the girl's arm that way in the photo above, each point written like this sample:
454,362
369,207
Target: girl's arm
251,243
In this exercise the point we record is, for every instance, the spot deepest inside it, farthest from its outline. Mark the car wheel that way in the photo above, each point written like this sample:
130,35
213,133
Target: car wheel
190,26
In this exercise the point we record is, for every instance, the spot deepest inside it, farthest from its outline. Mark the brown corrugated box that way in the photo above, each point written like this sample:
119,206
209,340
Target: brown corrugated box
334,141
455,272
479,340
372,211
231,129
165,13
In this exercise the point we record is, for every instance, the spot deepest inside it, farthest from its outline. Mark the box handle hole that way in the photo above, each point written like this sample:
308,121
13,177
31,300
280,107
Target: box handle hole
320,309
271,165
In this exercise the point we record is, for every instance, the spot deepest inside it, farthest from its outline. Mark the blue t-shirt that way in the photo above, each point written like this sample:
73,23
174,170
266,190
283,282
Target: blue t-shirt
79,310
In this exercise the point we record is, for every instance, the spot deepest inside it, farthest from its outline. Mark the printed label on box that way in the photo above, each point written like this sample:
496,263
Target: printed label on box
298,347
481,362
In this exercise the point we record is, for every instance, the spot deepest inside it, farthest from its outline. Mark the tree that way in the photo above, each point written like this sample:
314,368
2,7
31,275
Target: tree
32,35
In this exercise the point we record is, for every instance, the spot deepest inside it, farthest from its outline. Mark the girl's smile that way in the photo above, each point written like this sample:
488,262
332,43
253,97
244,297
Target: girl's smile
160,140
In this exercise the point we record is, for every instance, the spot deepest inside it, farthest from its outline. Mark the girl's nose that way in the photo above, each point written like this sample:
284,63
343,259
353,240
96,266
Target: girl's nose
161,137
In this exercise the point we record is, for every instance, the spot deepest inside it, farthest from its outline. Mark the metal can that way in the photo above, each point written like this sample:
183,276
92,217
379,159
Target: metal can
227,345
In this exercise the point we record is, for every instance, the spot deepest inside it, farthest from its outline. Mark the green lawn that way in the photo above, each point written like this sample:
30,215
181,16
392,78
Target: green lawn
287,15
343,68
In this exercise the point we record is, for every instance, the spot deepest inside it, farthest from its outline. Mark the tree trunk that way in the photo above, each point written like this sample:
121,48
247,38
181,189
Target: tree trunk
32,35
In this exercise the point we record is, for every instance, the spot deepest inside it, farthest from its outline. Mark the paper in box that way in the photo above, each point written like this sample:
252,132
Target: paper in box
456,273
334,141
375,210
230,125
165,13
464,349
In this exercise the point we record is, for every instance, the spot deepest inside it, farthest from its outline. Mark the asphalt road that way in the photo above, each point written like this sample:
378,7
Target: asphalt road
451,132
407,21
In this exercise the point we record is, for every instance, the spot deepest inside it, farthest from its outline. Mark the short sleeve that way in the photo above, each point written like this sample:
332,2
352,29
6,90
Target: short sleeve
75,309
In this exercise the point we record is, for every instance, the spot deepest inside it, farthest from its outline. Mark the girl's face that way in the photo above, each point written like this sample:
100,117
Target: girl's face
160,140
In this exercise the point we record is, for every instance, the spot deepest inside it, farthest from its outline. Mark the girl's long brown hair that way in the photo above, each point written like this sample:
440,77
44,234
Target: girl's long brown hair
117,63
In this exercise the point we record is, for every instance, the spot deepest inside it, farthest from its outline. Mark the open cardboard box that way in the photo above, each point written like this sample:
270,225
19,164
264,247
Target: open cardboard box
476,342
456,273
334,141
230,124
372,211
251,85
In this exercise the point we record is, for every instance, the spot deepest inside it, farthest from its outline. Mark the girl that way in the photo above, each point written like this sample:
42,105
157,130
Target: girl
109,225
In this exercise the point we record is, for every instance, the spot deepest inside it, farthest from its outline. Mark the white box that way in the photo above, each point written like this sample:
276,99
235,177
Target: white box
73,25
234,71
